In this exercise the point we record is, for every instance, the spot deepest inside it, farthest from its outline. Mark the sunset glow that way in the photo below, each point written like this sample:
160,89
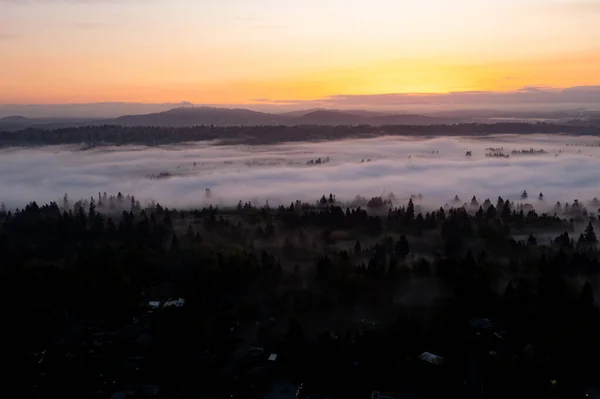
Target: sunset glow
234,51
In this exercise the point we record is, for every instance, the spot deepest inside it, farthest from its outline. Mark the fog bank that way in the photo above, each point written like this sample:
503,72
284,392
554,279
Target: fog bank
438,168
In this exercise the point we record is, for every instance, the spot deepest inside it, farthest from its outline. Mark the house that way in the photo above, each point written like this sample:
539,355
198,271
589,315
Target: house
431,358
380,395
137,391
178,303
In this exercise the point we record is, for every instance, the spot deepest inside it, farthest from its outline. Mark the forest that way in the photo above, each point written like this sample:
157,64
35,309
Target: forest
148,135
105,295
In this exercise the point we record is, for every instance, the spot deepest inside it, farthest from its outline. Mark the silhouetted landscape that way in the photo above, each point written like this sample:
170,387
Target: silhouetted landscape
221,117
314,199
255,135
264,287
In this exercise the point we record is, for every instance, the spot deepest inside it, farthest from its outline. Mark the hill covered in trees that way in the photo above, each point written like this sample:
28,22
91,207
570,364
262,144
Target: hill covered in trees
267,134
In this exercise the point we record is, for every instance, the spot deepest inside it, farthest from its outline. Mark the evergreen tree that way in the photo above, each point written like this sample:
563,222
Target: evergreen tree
174,243
357,248
589,234
410,211
270,230
402,248
92,209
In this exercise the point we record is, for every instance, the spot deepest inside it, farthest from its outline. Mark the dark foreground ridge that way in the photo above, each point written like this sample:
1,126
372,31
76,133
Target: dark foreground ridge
106,298
148,135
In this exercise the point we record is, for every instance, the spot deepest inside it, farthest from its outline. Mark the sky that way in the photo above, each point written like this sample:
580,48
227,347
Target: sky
261,51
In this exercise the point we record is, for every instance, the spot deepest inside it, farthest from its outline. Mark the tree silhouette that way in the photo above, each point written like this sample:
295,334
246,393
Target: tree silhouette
402,248
174,243
589,234
410,211
357,248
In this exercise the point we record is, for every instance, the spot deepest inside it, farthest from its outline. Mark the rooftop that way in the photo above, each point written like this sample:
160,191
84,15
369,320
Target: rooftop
431,358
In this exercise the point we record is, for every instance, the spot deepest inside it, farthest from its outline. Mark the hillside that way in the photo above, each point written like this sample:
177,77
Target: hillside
191,116
329,117
17,122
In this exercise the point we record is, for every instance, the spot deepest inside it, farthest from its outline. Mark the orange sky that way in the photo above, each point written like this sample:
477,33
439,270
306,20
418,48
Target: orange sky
225,51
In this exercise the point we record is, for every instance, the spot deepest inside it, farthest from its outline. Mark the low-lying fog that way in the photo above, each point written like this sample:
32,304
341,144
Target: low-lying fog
567,169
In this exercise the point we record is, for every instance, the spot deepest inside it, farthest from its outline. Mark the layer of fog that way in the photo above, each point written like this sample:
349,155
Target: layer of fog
436,167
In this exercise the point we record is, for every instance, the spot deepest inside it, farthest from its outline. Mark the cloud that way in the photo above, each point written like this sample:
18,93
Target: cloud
589,6
280,173
6,36
536,89
526,95
81,2
93,25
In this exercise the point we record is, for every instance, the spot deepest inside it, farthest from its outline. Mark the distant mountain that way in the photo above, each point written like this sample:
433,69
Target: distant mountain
17,122
14,119
192,116
360,112
335,117
85,111
594,122
327,117
411,119
493,115
585,122
300,113
13,122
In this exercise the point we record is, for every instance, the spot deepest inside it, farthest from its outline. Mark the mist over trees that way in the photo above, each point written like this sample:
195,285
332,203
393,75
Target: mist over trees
96,264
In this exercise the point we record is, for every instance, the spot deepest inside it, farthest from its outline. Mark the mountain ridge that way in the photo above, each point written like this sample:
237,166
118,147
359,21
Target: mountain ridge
188,116
192,116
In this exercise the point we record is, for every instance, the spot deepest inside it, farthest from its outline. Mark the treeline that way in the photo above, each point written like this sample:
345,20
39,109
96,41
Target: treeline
153,135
